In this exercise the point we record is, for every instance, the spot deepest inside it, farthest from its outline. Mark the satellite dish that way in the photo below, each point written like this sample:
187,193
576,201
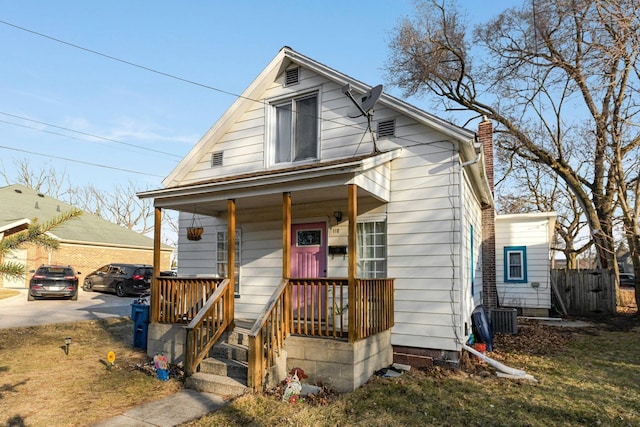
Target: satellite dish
370,98
366,107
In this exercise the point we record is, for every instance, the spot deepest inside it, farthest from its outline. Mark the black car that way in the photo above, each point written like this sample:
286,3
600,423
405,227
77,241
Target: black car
627,279
53,281
121,279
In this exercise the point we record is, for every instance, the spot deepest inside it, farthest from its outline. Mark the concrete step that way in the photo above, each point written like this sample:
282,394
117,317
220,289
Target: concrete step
223,350
217,384
225,367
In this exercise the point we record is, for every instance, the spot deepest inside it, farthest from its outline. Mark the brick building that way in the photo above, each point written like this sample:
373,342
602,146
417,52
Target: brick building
86,243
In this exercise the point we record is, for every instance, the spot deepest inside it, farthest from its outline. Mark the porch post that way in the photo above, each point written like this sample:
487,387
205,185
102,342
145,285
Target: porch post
352,261
286,235
231,259
157,236
286,260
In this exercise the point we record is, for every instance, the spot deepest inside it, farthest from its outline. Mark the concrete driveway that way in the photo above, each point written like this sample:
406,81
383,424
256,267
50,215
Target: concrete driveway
18,312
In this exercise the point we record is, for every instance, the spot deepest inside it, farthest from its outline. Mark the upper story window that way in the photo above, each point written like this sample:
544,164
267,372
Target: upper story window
296,130
515,264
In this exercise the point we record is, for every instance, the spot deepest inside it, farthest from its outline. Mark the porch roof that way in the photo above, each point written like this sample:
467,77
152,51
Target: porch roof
311,182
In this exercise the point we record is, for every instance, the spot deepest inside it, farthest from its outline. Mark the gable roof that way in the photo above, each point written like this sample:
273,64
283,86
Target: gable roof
287,56
20,204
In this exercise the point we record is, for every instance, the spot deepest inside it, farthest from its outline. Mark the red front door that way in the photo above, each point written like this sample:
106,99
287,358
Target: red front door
309,250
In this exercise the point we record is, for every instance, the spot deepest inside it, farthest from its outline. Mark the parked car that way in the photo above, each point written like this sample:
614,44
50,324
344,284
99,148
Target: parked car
53,281
170,273
121,279
627,279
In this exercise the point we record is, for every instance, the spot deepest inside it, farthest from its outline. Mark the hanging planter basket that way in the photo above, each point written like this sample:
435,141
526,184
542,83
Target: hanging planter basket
194,233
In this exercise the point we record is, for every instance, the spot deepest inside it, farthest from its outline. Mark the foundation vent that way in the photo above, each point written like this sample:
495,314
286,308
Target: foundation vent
504,320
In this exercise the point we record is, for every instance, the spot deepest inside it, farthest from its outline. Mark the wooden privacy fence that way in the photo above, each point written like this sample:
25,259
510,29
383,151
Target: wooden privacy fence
585,292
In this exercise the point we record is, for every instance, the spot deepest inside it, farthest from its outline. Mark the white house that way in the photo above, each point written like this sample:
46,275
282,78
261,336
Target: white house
523,261
314,188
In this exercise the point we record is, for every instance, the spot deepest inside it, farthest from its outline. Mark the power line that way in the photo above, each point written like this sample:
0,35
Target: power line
153,70
162,73
79,132
80,161
142,67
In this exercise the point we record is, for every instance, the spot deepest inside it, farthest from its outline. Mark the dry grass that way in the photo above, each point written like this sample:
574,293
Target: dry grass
41,386
586,377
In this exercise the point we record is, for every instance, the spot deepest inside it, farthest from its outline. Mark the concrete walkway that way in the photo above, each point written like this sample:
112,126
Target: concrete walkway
184,406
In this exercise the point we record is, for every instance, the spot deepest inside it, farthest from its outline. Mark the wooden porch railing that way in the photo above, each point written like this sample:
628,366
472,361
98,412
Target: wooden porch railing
206,327
268,333
318,307
179,299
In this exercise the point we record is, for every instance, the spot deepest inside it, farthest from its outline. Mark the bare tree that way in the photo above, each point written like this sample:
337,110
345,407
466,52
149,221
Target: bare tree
544,72
120,205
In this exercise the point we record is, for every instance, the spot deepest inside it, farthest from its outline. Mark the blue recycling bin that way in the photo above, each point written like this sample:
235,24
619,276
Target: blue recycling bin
140,317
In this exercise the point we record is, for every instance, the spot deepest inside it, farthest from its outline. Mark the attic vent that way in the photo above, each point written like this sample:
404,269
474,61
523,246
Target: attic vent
292,76
386,128
216,158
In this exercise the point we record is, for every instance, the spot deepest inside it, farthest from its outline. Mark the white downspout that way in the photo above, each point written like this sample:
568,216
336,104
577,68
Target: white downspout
506,370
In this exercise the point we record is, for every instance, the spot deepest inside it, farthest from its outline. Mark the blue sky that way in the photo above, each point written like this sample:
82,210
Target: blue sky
219,44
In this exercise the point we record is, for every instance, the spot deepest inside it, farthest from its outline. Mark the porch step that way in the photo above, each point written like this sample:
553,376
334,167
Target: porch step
225,367
225,371
217,384
225,350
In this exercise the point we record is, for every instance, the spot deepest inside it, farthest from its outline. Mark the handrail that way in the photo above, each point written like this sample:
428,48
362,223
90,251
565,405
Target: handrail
179,299
268,333
205,328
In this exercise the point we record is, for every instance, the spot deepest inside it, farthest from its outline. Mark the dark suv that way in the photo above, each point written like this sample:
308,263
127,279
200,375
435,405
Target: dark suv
53,281
121,279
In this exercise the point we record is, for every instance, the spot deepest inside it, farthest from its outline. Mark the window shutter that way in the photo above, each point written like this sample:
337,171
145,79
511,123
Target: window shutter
386,128
216,158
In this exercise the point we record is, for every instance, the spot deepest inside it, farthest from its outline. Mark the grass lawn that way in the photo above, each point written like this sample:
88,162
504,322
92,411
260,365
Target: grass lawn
585,377
42,386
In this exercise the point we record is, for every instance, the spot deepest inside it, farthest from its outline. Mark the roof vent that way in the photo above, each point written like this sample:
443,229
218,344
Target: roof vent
292,76
216,158
40,195
386,128
17,190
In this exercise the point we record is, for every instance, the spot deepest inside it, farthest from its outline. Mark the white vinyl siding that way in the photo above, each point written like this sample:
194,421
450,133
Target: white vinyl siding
525,235
423,230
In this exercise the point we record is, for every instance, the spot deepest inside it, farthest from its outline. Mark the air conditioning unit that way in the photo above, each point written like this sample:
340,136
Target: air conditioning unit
504,320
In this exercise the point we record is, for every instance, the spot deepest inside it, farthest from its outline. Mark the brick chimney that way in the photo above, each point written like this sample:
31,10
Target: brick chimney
489,291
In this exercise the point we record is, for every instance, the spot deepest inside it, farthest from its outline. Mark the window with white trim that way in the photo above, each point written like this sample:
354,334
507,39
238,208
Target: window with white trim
221,257
296,130
515,264
372,249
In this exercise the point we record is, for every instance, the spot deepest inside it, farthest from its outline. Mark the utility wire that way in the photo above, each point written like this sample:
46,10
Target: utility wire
142,67
80,161
162,73
79,132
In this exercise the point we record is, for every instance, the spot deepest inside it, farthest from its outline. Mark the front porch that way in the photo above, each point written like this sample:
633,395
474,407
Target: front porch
189,314
334,343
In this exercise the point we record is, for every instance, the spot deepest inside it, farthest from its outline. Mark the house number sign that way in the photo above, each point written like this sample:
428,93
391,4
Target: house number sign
309,238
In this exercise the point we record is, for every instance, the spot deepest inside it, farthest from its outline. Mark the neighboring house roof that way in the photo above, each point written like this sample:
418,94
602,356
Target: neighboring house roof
285,57
21,204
